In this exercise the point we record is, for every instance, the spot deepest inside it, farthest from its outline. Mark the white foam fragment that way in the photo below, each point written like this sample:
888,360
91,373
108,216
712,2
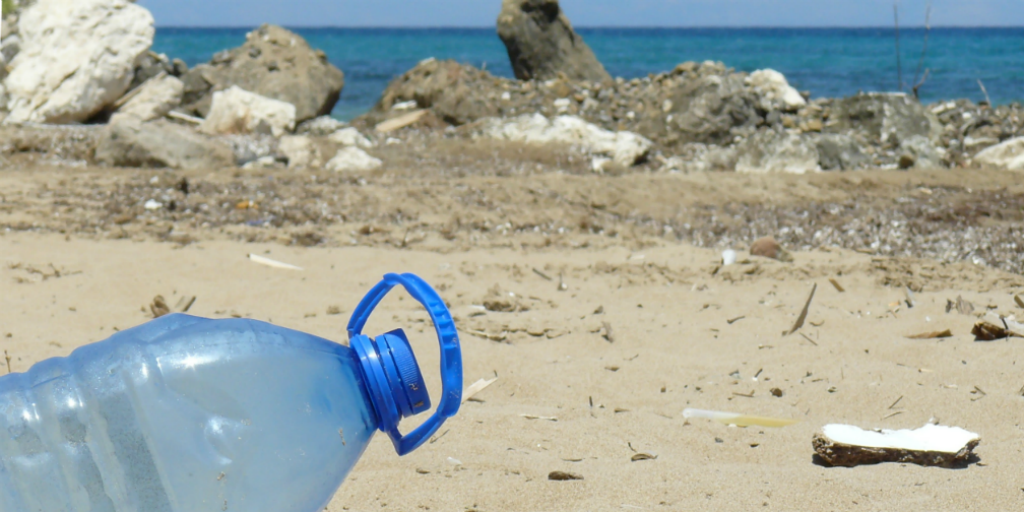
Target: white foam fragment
929,438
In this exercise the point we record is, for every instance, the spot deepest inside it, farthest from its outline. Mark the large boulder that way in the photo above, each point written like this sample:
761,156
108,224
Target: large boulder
1009,155
77,57
457,93
887,117
769,151
274,63
542,44
131,143
236,111
153,99
624,148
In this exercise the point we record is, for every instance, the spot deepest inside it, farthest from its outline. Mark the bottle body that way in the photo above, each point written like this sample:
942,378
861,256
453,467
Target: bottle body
185,414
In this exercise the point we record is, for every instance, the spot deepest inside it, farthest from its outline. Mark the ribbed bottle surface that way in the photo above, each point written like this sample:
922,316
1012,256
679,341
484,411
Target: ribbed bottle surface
184,414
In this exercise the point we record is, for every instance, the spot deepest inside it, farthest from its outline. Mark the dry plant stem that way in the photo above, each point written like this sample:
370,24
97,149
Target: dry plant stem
924,52
985,92
899,59
803,314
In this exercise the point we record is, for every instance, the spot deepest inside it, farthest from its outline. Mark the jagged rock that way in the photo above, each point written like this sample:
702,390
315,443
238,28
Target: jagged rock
707,108
918,151
153,64
274,63
769,151
9,49
775,91
457,93
885,117
1009,155
153,99
542,45
77,57
353,159
132,143
837,152
350,137
319,127
624,148
239,111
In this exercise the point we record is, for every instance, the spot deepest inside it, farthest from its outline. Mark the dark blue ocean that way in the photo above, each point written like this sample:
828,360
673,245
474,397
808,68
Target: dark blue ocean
826,62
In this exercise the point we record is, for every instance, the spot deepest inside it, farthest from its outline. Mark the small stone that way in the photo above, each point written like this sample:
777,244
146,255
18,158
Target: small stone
767,247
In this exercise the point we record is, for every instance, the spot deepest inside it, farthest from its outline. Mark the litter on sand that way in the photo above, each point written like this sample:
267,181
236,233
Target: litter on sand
562,476
476,387
803,314
930,445
740,420
535,417
932,335
272,263
1018,300
987,331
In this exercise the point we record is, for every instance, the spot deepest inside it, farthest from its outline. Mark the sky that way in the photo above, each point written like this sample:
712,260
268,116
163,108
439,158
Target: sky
586,13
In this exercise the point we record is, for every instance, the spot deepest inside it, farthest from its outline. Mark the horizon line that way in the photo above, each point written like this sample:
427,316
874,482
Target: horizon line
608,27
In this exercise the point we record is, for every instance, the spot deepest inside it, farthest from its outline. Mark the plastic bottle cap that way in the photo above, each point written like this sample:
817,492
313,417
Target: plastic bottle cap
409,388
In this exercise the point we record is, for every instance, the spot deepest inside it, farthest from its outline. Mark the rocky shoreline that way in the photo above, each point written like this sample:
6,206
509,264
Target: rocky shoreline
65,100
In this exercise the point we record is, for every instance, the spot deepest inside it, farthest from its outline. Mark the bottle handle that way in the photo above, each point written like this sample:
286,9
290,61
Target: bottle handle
451,354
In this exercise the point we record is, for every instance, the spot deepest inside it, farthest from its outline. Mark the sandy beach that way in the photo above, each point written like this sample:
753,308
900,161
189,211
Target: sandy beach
645,328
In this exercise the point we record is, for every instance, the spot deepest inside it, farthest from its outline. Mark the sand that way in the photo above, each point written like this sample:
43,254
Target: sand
673,347
646,326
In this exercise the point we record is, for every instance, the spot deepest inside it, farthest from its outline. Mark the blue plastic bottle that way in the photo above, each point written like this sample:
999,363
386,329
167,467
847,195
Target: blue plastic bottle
185,414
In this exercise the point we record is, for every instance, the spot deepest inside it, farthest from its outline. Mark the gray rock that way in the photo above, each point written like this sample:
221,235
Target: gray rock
149,66
838,152
770,151
918,151
542,45
706,109
132,143
889,118
251,147
320,126
9,48
274,63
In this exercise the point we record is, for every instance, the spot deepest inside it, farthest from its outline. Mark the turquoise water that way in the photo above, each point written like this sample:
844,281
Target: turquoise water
827,62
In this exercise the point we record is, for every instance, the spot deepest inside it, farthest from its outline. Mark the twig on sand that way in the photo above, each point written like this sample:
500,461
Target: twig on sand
839,287
7,357
803,314
542,274
808,338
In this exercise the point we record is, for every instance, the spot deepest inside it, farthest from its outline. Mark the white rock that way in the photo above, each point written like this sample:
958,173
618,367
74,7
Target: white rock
350,137
775,91
353,159
405,105
77,57
1009,155
625,148
771,152
236,110
562,105
154,99
300,152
